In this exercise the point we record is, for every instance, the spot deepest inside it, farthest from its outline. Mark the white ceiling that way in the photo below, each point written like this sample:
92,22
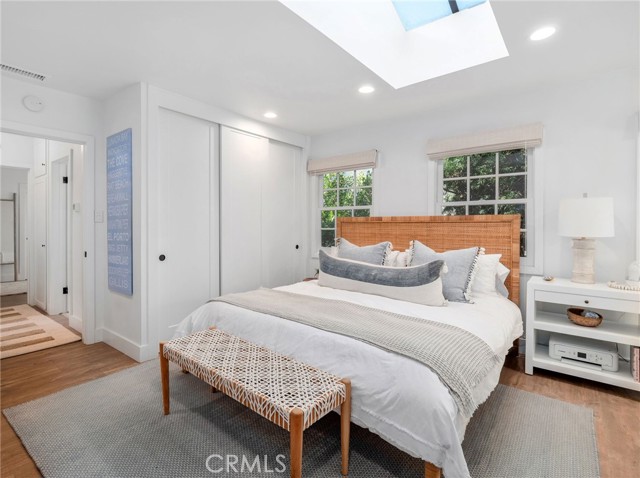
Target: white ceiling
250,57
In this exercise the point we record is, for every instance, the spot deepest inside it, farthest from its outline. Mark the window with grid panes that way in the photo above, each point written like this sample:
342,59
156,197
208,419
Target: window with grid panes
343,194
488,183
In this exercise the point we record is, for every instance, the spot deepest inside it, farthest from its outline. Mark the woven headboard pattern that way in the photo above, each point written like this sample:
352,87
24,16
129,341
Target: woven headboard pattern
499,234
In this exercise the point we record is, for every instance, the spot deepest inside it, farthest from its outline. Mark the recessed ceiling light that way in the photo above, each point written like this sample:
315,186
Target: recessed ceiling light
366,89
542,33
270,115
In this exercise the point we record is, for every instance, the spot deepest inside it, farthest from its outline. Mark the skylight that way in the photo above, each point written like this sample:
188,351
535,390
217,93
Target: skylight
405,52
417,13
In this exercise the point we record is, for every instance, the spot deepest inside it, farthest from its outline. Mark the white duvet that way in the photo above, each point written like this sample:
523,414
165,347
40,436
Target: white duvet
395,397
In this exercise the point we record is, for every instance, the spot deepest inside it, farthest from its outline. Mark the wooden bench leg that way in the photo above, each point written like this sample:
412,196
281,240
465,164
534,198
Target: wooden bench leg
164,373
345,427
296,426
431,470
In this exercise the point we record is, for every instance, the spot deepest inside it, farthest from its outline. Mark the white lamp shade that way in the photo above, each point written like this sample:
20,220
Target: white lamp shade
586,217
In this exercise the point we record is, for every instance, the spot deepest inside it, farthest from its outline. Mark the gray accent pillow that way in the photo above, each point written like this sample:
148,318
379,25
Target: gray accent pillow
374,254
421,284
461,263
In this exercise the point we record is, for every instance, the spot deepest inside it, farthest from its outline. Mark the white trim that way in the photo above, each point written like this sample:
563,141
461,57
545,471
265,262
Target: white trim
88,201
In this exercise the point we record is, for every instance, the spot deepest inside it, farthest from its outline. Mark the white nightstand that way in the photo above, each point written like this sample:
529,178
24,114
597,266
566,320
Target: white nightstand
546,313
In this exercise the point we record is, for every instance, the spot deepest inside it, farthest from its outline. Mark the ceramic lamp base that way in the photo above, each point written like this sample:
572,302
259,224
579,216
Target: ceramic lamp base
583,261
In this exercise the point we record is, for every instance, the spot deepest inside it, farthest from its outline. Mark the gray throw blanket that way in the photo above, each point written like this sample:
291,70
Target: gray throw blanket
458,357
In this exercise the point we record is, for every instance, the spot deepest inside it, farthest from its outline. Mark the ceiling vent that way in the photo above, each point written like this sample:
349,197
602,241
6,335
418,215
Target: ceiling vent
20,72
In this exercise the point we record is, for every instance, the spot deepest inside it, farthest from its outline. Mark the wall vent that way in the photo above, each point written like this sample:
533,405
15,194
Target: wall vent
21,72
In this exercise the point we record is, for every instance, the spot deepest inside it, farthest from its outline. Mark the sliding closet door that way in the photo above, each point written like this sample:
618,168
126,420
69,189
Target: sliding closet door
281,216
183,251
243,157
261,206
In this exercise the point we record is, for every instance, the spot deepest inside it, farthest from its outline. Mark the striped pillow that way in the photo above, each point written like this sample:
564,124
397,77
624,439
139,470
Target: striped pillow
421,284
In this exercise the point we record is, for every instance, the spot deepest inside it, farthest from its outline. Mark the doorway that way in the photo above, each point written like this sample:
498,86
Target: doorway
53,243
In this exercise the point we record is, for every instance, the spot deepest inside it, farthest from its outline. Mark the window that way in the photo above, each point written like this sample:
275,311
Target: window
490,183
416,13
343,194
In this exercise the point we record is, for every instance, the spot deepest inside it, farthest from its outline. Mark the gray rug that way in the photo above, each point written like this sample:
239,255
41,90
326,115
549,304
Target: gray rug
114,427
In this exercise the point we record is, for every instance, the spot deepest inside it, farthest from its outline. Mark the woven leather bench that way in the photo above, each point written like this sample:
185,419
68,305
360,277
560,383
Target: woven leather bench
291,394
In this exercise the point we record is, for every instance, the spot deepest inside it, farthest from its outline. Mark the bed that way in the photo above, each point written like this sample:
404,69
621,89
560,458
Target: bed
398,398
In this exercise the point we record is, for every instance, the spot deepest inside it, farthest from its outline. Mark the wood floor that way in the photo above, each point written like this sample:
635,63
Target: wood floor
30,376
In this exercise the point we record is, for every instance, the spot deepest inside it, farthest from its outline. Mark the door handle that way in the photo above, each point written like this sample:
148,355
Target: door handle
162,257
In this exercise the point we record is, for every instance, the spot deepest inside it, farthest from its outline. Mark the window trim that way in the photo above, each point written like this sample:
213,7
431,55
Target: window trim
533,263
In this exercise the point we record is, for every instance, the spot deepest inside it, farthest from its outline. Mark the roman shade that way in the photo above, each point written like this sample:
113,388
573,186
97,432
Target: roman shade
527,136
345,162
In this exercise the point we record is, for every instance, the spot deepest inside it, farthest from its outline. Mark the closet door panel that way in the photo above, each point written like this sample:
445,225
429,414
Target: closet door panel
184,212
281,216
243,157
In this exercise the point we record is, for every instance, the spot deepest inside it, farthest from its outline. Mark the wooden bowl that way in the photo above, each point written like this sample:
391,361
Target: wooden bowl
574,316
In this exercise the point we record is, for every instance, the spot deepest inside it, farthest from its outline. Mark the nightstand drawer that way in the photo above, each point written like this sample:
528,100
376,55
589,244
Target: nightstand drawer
588,301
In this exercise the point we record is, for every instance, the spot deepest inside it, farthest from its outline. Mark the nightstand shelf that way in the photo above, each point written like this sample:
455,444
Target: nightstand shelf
608,331
546,306
621,378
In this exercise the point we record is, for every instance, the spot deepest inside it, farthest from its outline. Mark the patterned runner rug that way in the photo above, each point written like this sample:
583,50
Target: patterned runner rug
23,329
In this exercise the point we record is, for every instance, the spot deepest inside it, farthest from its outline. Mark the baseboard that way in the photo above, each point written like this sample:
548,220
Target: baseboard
139,353
120,343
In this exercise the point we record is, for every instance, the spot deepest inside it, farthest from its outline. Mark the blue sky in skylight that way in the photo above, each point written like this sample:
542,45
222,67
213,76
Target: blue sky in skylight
416,13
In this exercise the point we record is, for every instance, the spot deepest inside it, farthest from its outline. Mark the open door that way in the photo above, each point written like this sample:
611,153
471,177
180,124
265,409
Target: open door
60,233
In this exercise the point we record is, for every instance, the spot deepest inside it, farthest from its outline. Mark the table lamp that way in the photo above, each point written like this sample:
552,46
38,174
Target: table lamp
584,219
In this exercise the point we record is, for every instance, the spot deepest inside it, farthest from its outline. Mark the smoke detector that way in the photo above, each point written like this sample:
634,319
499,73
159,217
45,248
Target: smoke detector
33,103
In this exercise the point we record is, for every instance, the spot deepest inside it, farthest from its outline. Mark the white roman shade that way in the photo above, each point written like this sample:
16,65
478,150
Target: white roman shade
527,136
345,162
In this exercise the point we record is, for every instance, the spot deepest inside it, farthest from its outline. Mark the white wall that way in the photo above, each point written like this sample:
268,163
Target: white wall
16,150
65,117
119,321
589,145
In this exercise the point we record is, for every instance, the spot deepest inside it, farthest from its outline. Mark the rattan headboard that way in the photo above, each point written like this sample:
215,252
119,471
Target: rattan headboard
498,234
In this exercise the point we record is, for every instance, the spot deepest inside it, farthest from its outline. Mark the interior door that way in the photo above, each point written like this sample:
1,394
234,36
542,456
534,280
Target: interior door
243,158
281,216
40,242
183,251
58,264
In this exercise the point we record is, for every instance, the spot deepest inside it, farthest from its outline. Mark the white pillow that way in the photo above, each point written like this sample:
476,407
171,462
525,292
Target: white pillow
502,272
484,280
396,259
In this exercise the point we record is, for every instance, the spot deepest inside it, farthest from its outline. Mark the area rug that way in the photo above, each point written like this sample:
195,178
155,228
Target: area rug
114,427
23,329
